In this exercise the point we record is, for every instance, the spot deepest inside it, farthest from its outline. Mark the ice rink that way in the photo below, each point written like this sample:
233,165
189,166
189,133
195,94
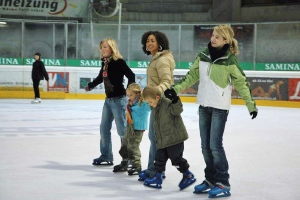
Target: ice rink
47,151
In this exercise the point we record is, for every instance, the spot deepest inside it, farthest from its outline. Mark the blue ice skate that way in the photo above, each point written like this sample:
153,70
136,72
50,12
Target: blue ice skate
143,175
219,190
204,187
187,180
154,182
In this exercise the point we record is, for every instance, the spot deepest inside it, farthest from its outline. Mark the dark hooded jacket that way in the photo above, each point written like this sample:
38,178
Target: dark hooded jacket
39,71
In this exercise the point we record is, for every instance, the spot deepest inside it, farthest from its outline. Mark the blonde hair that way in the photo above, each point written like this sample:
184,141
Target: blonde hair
137,89
151,92
227,33
113,46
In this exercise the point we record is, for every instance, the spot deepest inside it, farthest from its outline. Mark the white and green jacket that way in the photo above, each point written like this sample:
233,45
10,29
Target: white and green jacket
215,81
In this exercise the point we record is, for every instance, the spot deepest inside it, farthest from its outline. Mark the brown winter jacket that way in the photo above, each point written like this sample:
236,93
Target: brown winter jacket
160,70
168,125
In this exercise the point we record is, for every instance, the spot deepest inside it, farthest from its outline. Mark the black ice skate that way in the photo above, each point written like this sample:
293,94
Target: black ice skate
100,161
134,171
121,167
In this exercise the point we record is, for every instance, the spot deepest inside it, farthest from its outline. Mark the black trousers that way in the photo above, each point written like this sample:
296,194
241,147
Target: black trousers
36,83
173,152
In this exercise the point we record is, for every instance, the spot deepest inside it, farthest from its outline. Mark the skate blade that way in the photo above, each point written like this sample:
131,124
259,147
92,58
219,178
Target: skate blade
141,179
223,194
103,163
116,171
189,184
201,192
133,174
157,186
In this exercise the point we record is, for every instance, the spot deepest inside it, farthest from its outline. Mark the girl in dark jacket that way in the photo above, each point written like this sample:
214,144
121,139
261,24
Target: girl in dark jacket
112,73
38,73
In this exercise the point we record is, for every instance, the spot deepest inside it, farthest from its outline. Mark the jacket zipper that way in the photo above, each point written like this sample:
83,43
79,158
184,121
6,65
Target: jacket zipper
209,69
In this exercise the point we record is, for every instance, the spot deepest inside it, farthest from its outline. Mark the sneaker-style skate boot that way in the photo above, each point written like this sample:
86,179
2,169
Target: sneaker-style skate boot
36,100
154,182
187,180
121,167
134,171
204,187
220,190
100,161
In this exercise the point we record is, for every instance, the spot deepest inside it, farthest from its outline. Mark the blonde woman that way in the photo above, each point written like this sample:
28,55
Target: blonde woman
112,73
216,68
137,114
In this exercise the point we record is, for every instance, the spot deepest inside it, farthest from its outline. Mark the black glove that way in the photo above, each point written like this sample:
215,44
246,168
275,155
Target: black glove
171,94
253,114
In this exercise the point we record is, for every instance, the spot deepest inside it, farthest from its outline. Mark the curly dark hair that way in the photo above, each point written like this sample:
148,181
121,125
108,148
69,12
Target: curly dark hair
161,38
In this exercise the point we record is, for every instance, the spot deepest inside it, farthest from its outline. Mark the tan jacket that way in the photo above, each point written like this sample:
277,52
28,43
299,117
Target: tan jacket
160,70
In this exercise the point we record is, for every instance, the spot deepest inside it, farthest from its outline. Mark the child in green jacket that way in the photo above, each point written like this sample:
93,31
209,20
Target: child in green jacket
170,134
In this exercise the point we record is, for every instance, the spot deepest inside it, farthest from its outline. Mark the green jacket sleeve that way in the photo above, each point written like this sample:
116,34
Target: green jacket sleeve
190,78
239,81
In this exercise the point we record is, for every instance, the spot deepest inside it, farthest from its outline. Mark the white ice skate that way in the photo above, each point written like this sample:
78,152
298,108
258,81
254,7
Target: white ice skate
36,100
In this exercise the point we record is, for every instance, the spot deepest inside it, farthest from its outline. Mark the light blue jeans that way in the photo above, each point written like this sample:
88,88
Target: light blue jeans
212,125
113,109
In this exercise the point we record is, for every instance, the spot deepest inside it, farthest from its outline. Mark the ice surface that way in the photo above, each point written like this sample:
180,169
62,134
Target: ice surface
47,150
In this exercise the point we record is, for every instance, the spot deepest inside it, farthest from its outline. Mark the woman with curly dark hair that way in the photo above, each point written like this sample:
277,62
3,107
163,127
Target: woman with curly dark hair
160,75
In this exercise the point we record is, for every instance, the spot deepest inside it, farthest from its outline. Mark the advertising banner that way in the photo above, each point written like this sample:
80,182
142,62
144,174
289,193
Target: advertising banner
11,61
75,80
277,66
84,63
45,8
294,89
47,62
141,79
84,79
244,34
58,82
202,35
144,64
266,88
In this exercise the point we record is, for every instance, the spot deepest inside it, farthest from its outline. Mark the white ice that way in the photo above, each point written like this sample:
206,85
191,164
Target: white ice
47,150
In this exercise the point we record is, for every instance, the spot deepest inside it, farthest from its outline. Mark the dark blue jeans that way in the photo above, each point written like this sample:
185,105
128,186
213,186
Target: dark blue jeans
212,124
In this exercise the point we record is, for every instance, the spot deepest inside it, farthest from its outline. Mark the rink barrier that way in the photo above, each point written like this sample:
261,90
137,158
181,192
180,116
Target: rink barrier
16,83
186,99
30,95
